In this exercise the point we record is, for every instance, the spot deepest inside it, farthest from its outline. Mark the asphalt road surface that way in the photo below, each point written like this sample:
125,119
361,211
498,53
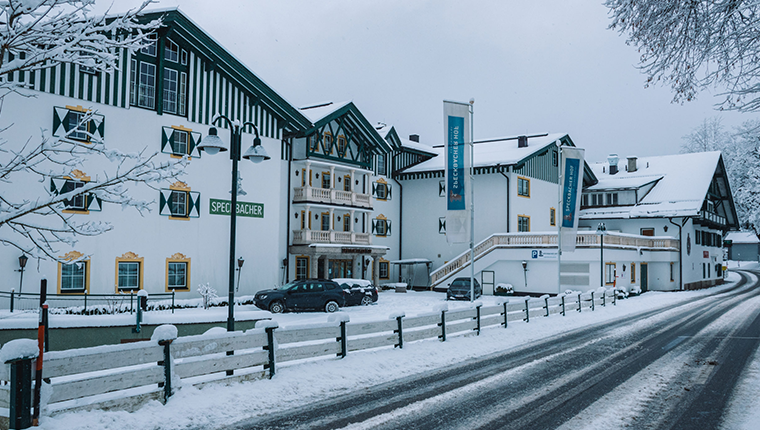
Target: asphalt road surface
672,368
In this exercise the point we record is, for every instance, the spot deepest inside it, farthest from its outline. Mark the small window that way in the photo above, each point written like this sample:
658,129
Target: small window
146,87
73,277
129,275
552,216
326,179
328,140
672,274
184,57
178,203
171,89
78,202
523,187
523,223
346,223
381,191
609,273
555,160
584,200
596,199
633,272
171,51
648,232
383,265
612,199
302,267
176,272
77,126
381,165
150,45
347,183
381,227
697,237
341,145
180,142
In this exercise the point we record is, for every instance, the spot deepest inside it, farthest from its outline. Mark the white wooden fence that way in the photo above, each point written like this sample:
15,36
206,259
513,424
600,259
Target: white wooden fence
125,376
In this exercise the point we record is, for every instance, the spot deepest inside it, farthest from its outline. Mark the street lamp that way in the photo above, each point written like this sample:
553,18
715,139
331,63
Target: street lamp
601,229
22,263
212,145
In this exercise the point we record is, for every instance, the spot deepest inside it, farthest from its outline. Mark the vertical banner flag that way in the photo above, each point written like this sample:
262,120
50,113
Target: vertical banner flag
456,123
572,183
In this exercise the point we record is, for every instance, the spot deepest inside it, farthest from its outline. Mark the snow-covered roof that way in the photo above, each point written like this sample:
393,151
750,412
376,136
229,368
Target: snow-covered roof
316,111
682,184
503,152
742,237
417,146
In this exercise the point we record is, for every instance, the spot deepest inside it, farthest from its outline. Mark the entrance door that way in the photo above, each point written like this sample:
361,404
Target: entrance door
340,269
487,281
644,277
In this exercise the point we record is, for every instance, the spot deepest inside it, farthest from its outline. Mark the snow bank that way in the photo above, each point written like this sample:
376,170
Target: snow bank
267,324
142,293
338,317
443,307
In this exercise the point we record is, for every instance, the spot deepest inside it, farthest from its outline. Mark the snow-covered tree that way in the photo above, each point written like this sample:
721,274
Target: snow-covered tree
695,44
39,34
710,135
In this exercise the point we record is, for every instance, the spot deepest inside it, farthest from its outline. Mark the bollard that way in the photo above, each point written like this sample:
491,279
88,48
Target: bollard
173,301
563,305
546,306
604,298
138,320
477,317
443,326
527,311
592,301
13,293
614,298
85,303
270,348
506,319
131,302
343,341
579,302
20,414
400,332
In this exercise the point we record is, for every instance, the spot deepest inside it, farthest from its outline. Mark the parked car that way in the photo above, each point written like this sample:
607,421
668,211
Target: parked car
305,294
360,291
460,289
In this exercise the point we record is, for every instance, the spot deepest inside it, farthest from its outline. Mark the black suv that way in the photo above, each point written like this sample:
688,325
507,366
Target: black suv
301,295
460,289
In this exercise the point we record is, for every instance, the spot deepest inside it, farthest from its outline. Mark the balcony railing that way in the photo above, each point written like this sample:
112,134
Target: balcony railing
713,218
307,237
331,196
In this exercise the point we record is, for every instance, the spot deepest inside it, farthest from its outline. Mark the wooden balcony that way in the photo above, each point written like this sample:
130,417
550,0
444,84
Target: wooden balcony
308,237
331,196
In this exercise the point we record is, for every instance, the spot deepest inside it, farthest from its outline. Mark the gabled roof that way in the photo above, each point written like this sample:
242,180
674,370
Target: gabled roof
181,26
683,181
742,237
323,113
388,132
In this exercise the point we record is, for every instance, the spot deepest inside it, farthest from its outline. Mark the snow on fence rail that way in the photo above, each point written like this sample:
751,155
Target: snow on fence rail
125,376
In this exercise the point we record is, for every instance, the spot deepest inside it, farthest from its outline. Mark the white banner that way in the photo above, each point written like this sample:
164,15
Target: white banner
572,186
456,129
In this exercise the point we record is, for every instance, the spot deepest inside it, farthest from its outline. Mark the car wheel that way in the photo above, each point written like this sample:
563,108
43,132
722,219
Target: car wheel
331,306
276,307
366,301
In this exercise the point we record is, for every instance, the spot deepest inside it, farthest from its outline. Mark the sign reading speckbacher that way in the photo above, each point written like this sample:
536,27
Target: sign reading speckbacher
222,207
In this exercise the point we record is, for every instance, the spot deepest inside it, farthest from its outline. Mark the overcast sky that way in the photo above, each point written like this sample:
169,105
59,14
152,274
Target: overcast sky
531,66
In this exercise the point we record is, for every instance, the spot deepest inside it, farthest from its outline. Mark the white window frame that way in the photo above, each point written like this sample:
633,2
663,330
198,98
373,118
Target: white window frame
172,277
131,270
175,202
79,274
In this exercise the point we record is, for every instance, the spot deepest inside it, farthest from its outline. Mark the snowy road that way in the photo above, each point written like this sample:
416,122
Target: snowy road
675,367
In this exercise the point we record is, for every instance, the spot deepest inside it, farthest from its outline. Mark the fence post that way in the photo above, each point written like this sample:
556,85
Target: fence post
546,306
13,293
506,319
131,302
400,331
563,305
592,301
527,310
20,416
85,303
443,326
614,298
477,317
604,298
173,301
138,317
270,348
579,302
343,341
167,368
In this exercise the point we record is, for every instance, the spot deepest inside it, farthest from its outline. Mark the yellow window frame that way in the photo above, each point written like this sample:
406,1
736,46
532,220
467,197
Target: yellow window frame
129,257
71,256
553,216
522,178
177,258
614,269
518,222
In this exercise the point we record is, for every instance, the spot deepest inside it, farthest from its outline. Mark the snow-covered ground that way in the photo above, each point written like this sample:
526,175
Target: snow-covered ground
213,406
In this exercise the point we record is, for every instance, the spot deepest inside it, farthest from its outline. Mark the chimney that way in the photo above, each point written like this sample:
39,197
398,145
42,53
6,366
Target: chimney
414,138
632,167
522,141
613,160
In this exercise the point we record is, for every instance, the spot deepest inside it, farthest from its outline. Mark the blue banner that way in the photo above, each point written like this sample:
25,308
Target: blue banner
570,192
456,161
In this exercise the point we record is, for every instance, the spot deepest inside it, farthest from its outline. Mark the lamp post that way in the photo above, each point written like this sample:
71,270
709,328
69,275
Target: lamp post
22,263
212,145
601,229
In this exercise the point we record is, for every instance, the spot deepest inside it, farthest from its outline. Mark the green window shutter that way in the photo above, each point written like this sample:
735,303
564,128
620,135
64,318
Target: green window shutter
56,185
194,204
193,139
374,226
374,188
60,122
388,191
94,203
101,128
163,207
96,126
166,137
388,227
